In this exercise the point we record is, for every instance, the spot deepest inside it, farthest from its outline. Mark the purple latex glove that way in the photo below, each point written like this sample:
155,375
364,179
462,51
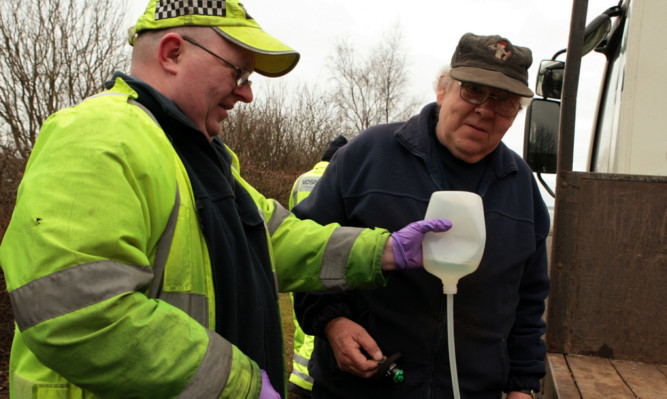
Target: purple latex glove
267,391
407,244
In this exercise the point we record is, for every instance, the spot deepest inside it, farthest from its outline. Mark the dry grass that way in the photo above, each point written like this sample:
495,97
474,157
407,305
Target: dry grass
288,328
6,336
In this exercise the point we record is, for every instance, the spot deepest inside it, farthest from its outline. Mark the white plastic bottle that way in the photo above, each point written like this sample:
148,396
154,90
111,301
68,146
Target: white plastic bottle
457,252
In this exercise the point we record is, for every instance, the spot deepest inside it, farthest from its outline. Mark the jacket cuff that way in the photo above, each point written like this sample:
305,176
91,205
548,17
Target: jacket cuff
327,314
245,378
314,310
520,383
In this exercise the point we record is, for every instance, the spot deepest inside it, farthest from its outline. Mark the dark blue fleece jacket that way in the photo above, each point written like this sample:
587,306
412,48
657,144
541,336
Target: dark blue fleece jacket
384,177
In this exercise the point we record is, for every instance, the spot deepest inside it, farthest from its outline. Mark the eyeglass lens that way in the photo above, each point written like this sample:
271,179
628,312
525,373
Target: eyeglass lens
477,95
241,74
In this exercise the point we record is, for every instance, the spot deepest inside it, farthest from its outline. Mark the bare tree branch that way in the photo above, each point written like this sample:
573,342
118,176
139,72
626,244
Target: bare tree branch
53,54
372,90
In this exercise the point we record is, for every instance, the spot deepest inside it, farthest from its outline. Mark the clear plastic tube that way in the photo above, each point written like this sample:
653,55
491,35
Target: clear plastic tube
450,344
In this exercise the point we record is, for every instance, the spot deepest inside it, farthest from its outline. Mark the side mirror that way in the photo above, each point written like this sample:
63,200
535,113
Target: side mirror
550,79
540,142
597,30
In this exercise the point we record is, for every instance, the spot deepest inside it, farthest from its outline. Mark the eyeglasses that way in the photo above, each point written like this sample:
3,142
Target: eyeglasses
502,105
241,75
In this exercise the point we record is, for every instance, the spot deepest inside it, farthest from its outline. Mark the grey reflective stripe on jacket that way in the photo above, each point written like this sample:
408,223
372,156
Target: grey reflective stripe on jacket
61,293
339,246
86,284
277,217
75,288
213,373
83,285
305,184
195,305
334,261
295,190
304,362
162,248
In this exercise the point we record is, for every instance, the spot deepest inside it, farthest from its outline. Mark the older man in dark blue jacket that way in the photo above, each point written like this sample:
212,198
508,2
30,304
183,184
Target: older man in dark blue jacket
385,177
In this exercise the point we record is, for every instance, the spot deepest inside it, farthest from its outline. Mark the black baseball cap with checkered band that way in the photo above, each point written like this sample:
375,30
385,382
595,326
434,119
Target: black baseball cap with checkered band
230,20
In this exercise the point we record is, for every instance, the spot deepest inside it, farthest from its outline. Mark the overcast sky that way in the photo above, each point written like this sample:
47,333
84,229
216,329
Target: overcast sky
431,29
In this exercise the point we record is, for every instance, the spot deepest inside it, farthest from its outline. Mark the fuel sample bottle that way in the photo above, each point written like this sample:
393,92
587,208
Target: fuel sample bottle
455,253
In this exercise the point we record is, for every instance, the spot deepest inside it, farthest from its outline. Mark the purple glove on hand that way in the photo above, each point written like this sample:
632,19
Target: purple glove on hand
267,391
407,244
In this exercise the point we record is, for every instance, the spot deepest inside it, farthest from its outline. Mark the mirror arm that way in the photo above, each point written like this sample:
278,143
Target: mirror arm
558,53
614,11
545,185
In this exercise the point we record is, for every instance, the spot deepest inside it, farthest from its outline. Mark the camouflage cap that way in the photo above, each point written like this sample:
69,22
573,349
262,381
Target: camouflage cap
492,61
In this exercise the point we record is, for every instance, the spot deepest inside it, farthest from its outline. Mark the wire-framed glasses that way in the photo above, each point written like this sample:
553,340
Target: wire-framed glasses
241,74
505,105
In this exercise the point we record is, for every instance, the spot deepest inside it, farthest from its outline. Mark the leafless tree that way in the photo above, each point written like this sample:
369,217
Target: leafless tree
53,53
280,135
284,132
373,90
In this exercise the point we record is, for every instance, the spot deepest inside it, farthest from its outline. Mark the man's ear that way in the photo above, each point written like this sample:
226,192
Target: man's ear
170,52
440,94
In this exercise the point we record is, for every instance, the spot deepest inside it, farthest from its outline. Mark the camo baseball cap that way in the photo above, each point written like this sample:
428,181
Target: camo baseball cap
492,61
230,20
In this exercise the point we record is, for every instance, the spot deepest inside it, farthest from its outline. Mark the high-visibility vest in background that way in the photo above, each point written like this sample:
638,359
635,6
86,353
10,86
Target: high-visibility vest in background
303,343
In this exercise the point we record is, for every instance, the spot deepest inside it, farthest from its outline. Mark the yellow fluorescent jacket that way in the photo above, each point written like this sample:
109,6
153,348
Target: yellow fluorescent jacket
109,275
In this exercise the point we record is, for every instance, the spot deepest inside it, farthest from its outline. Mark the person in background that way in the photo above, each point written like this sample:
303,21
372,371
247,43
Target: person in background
385,177
139,263
300,382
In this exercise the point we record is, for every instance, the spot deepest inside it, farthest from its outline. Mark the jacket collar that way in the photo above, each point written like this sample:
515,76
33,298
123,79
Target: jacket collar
152,98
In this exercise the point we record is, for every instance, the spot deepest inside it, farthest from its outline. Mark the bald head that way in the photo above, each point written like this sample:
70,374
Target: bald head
145,52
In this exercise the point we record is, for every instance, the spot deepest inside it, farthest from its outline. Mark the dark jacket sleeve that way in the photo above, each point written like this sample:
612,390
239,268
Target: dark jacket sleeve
525,347
314,310
324,205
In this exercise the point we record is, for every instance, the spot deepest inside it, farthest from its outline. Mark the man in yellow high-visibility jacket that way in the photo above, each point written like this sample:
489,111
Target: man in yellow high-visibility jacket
139,263
300,382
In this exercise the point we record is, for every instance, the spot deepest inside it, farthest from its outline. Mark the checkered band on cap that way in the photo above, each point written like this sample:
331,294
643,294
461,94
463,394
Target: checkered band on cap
230,19
177,8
